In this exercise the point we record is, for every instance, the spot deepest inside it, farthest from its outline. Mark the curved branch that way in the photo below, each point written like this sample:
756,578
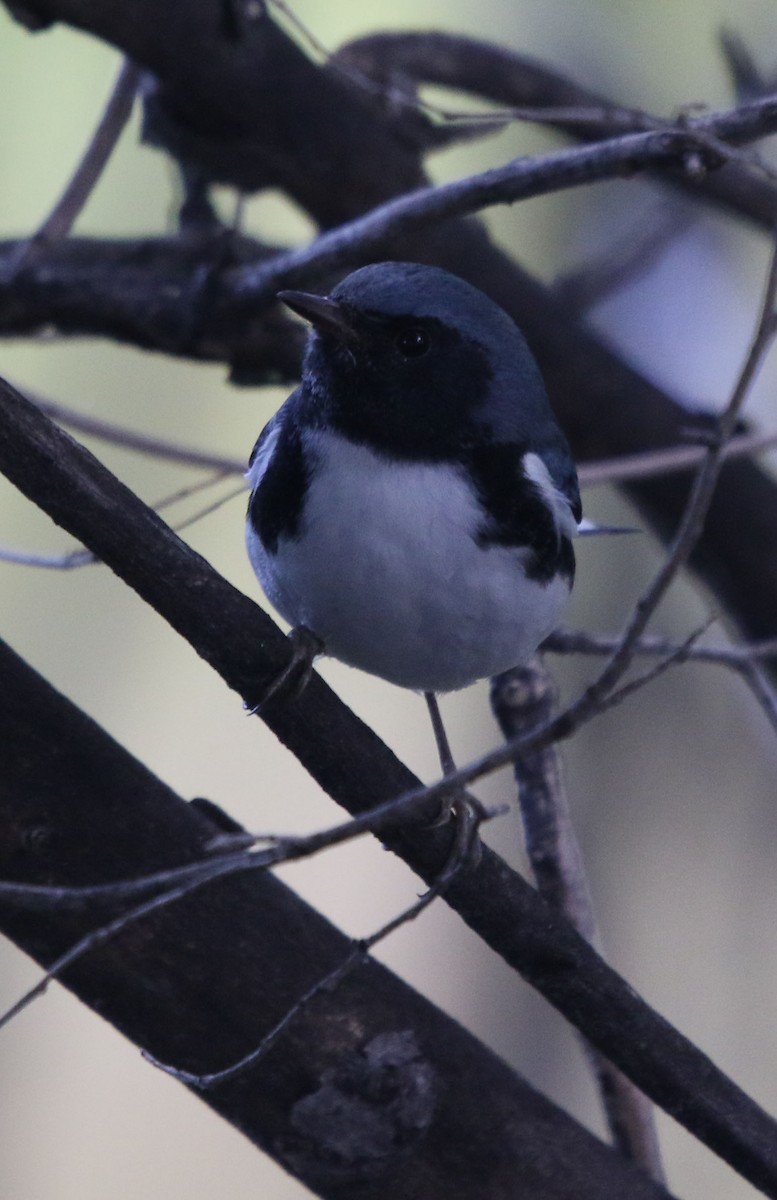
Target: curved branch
517,80
361,239
156,293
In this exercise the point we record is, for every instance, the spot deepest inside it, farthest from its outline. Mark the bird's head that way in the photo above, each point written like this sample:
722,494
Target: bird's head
418,361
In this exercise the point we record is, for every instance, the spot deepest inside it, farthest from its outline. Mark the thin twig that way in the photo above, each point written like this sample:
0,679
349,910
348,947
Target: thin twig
174,883
651,463
645,465
130,439
583,114
517,180
679,654
742,659
63,216
607,470
567,641
282,848
359,951
85,558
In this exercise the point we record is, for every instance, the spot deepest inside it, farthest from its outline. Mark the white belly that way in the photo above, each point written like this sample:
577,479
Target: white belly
386,572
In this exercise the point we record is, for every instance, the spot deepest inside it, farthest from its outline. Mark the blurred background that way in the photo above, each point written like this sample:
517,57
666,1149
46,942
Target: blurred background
672,793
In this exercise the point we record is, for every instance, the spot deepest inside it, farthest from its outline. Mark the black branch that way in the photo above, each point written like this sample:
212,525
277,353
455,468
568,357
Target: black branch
77,807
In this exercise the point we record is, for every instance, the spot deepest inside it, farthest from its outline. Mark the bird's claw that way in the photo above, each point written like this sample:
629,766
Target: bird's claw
468,813
291,682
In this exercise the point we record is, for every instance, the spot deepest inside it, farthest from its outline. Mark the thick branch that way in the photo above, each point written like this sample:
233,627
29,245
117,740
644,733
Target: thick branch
60,818
157,293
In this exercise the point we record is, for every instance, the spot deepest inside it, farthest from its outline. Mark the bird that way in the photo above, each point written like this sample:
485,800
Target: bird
414,501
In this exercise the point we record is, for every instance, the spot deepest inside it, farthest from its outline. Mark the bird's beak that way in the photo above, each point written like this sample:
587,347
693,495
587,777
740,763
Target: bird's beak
324,314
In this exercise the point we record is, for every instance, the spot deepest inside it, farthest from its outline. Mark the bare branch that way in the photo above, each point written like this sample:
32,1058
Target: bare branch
651,463
148,292
63,216
131,439
507,77
565,641
520,179
521,699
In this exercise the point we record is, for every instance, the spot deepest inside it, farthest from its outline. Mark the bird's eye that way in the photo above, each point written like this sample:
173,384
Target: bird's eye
413,342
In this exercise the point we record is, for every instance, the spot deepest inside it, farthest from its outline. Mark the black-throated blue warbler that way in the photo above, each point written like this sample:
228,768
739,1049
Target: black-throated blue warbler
414,501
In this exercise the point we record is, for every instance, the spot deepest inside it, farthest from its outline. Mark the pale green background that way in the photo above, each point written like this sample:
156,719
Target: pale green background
673,794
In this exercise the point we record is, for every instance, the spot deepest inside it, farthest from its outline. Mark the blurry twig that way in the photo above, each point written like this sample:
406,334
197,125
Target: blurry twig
625,260
665,461
83,557
53,562
63,216
747,79
132,440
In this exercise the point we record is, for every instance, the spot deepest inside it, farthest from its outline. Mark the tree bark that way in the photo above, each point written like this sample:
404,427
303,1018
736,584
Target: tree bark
370,1093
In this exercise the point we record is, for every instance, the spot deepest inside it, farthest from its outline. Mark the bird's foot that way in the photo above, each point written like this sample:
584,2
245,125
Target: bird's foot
467,813
290,683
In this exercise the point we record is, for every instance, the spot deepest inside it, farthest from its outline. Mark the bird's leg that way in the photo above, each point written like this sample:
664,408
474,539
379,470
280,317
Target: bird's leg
440,736
291,682
458,804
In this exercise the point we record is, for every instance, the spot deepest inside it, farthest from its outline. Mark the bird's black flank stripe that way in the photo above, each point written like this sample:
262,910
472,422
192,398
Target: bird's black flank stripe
518,514
275,507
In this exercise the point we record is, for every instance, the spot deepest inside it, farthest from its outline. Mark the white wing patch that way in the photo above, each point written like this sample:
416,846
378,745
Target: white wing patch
263,454
538,473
